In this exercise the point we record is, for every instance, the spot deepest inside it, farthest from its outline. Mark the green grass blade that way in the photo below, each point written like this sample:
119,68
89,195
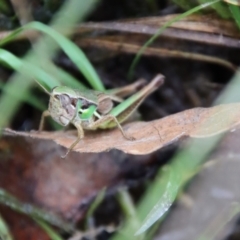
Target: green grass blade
220,7
164,191
95,204
51,233
4,231
235,2
234,9
71,49
29,98
26,208
30,72
68,80
63,76
28,69
160,31
73,11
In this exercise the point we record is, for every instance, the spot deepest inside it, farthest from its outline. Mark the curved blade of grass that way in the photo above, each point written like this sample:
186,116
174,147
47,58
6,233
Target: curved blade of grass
51,233
234,9
48,82
28,69
234,2
68,80
25,208
64,77
220,7
4,231
160,31
94,205
170,188
181,169
28,98
126,202
71,49
73,11
128,207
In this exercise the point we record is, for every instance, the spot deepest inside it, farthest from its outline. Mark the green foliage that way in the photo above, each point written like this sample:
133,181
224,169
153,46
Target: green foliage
25,208
235,11
51,233
72,50
225,8
4,231
32,65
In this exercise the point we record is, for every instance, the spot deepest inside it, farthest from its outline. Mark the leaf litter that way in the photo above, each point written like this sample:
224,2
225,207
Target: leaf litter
48,177
34,173
149,136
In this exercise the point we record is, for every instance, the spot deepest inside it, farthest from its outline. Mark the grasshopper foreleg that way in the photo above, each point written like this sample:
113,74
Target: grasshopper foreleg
45,114
79,137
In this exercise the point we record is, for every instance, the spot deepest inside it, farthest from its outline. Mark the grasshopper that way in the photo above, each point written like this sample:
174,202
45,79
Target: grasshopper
90,109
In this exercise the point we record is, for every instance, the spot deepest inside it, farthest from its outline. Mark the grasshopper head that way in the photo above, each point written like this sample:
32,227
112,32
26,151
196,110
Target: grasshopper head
62,104
67,105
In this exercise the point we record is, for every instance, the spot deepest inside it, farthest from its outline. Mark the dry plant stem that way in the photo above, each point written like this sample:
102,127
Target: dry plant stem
23,10
202,29
193,97
151,51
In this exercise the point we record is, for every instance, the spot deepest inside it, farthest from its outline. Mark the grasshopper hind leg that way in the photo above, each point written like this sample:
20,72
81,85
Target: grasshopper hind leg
110,118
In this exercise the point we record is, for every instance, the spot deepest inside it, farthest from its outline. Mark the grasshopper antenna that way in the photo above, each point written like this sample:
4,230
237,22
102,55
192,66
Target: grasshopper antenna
44,89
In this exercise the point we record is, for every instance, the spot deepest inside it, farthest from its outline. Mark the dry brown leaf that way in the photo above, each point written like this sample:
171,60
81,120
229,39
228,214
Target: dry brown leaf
63,187
34,173
150,136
